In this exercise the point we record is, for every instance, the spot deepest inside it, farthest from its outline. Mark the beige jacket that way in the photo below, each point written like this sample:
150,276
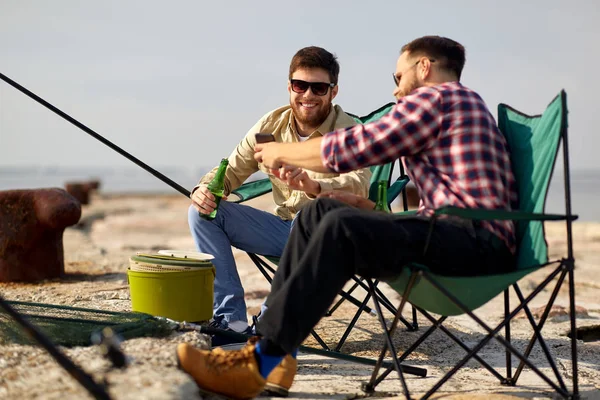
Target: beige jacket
280,123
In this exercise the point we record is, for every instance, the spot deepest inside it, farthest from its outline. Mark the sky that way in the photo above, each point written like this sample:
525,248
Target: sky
179,83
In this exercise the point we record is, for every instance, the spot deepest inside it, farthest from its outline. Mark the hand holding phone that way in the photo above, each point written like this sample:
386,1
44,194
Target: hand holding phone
259,151
264,138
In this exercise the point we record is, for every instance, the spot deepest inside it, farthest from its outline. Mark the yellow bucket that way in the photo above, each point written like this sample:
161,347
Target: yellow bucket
174,287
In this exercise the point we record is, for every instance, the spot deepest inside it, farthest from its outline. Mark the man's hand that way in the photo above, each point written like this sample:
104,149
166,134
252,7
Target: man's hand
350,199
268,154
306,155
297,179
203,200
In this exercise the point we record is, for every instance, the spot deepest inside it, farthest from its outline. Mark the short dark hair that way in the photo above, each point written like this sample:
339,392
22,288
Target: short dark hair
448,52
316,57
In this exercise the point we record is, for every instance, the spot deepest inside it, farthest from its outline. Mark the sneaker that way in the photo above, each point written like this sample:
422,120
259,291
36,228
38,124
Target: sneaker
254,326
231,373
219,322
230,342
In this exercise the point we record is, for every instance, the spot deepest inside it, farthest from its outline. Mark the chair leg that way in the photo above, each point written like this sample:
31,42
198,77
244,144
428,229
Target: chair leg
321,342
346,296
369,387
267,271
387,304
353,322
508,380
407,352
340,301
492,333
537,331
540,324
411,327
263,267
437,324
384,300
461,344
575,372
415,323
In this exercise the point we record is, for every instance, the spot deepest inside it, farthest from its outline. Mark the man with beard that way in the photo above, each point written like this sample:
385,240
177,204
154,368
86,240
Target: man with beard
313,84
456,156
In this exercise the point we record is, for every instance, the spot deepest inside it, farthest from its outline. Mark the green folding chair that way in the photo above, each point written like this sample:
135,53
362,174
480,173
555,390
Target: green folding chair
534,144
267,264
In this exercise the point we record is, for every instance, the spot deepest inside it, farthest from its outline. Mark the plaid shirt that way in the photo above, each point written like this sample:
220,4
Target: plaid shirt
451,148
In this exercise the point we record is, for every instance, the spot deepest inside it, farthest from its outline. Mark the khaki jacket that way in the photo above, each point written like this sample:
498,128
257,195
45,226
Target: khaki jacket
280,123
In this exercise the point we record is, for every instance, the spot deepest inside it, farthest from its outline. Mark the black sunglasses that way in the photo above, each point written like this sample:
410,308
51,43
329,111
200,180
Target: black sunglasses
318,88
397,79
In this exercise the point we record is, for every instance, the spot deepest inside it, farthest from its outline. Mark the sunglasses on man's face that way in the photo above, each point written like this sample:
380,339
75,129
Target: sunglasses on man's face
397,76
318,88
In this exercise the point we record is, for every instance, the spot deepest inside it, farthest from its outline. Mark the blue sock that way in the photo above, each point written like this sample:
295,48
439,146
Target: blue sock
267,363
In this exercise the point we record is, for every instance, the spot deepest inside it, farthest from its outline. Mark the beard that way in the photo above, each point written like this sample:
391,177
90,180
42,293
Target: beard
315,117
409,86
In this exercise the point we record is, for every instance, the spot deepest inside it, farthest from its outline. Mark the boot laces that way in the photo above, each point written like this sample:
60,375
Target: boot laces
234,358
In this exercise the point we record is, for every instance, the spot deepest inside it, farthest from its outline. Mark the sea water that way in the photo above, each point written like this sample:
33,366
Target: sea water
585,184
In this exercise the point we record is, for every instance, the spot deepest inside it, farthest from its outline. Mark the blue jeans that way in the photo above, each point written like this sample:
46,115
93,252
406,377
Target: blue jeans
245,228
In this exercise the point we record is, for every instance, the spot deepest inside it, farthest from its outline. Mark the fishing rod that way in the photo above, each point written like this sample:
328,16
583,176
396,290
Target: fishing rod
95,389
179,188
97,136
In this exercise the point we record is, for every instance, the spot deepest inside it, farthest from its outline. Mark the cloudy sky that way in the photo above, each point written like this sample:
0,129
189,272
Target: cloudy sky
179,83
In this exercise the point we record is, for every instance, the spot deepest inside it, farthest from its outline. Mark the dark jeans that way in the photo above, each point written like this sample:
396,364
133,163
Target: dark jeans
331,242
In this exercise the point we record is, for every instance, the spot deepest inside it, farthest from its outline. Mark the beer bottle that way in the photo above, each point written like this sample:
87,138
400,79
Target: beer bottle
382,204
217,188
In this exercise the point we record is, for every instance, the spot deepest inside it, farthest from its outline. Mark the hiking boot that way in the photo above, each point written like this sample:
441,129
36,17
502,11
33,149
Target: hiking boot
232,373
281,378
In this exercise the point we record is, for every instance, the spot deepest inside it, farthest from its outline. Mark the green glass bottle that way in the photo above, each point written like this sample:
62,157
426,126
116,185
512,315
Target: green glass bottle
382,204
217,188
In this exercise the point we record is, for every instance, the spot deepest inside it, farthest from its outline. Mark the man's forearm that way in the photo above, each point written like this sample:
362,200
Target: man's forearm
305,155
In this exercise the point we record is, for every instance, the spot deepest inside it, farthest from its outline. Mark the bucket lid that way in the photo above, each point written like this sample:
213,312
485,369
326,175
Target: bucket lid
145,267
161,259
187,254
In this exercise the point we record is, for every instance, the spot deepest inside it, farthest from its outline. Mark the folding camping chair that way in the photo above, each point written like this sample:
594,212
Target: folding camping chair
267,264
534,144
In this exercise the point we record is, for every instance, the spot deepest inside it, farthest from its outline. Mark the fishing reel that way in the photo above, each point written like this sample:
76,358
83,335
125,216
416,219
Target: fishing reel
109,345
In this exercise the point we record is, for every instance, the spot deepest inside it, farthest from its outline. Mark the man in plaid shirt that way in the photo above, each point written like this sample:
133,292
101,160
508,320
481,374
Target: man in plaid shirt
450,146
455,155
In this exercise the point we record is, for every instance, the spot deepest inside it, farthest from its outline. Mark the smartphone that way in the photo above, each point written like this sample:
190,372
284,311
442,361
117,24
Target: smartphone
264,138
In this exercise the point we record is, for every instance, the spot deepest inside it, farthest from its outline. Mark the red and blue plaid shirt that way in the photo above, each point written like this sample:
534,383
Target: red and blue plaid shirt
451,148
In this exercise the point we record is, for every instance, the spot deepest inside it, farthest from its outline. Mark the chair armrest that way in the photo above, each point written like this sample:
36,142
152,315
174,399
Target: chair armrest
396,188
406,213
251,190
480,214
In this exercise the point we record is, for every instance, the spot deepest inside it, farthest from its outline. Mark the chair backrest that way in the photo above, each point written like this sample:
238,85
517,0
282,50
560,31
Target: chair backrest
534,143
379,172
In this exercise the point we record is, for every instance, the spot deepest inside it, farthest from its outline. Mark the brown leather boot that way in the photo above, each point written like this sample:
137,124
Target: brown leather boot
281,378
233,373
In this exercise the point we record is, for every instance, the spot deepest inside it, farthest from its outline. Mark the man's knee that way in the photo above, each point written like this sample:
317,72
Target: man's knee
341,219
193,216
318,208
